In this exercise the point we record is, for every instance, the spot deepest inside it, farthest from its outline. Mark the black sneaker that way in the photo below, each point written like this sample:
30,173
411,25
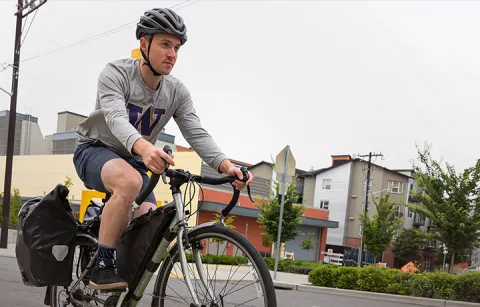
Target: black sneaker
104,277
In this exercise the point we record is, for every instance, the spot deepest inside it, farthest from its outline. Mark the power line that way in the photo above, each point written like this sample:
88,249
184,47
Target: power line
28,29
106,33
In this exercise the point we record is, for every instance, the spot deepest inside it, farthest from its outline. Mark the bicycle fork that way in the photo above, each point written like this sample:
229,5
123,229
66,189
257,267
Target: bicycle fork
181,236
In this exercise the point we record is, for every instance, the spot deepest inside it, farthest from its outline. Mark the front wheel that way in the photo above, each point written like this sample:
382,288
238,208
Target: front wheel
225,270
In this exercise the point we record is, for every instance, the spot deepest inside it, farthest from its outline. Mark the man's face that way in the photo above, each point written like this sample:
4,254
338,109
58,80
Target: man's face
163,51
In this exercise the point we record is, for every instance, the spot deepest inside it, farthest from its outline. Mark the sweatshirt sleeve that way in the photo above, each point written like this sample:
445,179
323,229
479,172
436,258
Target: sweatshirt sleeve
192,130
112,90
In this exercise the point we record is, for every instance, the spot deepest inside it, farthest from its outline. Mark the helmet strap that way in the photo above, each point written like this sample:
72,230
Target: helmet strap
145,57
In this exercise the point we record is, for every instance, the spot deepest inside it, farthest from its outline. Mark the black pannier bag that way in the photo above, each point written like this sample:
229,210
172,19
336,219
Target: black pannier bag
45,245
140,240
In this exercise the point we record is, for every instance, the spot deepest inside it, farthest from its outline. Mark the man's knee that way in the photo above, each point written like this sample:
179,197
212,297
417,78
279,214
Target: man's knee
121,179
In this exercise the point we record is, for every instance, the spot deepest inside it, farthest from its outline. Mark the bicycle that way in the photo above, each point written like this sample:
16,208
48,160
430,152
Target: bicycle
163,258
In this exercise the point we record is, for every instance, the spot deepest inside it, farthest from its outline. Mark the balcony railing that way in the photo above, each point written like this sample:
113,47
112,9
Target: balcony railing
419,220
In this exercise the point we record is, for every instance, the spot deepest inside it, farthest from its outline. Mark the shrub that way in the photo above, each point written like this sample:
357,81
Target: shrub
347,278
304,269
324,276
438,285
467,287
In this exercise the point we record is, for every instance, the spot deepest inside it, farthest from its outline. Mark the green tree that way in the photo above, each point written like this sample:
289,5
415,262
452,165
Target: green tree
68,182
269,214
450,200
378,230
228,222
15,206
308,243
266,240
409,242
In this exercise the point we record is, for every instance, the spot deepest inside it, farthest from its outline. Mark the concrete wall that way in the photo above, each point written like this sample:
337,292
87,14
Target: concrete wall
262,171
68,121
4,136
309,191
32,141
38,175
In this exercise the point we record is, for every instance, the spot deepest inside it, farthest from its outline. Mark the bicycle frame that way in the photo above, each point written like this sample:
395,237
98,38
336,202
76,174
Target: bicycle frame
178,228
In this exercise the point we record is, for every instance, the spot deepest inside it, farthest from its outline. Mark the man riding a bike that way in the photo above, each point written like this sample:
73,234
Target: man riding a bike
135,100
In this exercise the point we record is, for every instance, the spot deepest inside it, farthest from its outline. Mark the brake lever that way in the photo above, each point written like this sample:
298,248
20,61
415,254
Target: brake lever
245,179
168,151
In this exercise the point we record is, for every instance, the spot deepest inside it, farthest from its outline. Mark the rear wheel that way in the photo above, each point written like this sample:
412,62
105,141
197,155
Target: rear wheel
230,263
81,295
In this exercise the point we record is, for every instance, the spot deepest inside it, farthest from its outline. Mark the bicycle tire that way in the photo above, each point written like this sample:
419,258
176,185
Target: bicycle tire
80,241
219,229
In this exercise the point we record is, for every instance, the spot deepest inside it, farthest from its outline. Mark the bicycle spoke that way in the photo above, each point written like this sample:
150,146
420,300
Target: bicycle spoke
245,302
235,280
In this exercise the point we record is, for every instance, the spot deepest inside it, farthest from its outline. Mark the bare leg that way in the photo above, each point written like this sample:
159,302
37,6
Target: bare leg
124,182
144,209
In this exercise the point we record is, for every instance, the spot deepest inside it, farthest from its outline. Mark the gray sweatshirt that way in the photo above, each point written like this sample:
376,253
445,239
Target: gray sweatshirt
127,109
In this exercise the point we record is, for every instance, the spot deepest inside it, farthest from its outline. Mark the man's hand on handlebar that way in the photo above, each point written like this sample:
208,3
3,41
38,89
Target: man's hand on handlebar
239,184
154,157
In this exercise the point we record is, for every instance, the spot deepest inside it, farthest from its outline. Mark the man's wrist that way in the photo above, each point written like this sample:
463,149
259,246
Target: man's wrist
225,166
141,146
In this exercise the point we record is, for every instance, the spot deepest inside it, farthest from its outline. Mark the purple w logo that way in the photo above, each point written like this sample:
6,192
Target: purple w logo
143,121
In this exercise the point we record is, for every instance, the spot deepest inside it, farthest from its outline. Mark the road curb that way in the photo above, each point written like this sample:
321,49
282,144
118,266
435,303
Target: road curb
460,304
285,285
392,298
7,253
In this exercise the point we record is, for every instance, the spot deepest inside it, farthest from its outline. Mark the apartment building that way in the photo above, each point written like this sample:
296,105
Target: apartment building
315,221
340,190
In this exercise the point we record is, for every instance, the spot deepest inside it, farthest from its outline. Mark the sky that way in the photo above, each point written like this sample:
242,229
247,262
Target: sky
325,77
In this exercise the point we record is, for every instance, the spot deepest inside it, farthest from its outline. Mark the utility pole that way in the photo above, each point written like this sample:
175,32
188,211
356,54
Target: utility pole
365,208
24,8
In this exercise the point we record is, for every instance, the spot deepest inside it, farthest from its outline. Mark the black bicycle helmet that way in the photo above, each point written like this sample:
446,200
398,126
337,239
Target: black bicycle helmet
160,21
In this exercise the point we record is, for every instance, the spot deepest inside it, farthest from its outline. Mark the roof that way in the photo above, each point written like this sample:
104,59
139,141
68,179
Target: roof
240,163
73,113
322,170
184,149
298,171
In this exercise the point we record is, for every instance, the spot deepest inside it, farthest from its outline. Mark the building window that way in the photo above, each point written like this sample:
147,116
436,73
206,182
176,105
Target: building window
428,264
410,213
327,184
395,187
323,204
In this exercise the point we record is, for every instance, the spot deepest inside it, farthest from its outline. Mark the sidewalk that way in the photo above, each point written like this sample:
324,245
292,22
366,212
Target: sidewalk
11,241
284,280
242,273
9,251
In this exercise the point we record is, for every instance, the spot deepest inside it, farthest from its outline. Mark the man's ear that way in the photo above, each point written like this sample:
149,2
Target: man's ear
144,43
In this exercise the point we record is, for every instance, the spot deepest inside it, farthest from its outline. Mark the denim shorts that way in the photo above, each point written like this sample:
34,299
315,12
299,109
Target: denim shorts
89,159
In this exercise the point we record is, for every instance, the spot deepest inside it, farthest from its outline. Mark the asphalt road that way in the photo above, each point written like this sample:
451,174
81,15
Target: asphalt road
14,293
